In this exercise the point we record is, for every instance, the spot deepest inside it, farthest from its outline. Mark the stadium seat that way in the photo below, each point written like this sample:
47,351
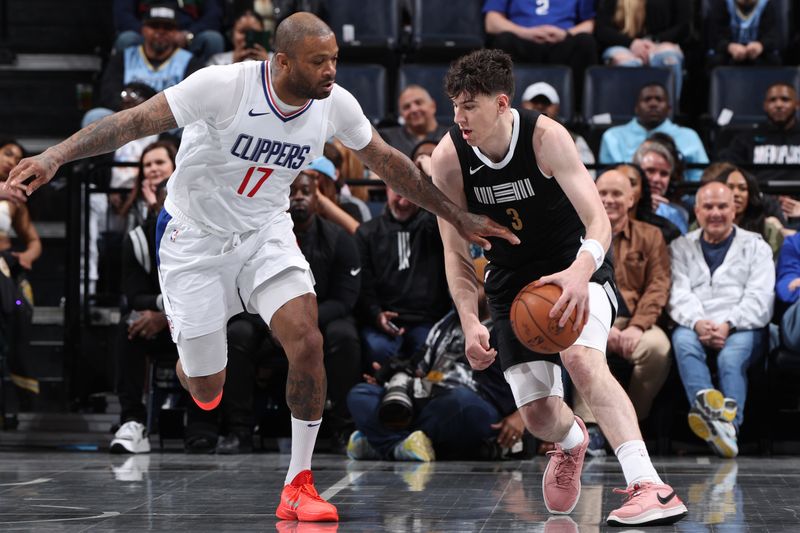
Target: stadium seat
559,76
742,89
432,78
610,93
368,85
438,26
359,24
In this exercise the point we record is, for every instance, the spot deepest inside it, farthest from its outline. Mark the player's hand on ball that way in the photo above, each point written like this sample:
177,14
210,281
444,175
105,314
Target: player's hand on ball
476,344
574,295
474,228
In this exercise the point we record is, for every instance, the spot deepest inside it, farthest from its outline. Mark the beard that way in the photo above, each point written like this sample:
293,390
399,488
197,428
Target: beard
305,89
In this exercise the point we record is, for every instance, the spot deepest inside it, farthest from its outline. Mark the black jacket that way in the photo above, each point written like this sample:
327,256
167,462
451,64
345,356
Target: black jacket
766,145
414,285
139,272
336,265
719,28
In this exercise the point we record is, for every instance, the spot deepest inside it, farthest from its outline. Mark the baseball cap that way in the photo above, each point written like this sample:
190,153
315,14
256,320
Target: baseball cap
540,88
324,166
163,13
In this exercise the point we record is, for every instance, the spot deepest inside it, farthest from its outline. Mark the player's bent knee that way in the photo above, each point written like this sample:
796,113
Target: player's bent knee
305,349
207,388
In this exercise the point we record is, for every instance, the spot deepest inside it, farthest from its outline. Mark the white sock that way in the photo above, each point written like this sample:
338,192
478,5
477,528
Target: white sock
574,437
636,464
304,436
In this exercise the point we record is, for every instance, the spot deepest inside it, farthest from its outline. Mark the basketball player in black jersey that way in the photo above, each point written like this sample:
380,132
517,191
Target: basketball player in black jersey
522,168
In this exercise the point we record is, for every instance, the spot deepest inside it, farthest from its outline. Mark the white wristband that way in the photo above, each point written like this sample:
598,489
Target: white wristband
595,249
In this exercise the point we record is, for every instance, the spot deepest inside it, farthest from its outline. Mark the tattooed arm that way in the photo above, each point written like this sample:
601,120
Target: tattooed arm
400,173
151,117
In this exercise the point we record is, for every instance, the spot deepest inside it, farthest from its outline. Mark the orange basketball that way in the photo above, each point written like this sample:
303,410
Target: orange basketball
532,325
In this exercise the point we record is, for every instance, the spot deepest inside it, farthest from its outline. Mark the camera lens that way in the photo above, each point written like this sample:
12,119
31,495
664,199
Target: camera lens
397,409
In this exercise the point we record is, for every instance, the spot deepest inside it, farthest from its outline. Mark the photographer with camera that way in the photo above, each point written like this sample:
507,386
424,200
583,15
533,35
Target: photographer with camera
250,41
433,404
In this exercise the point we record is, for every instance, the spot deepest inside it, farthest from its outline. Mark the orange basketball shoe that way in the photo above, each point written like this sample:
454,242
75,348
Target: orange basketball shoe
300,501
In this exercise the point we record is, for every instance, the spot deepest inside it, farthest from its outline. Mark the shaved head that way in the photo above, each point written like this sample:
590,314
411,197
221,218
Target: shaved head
295,29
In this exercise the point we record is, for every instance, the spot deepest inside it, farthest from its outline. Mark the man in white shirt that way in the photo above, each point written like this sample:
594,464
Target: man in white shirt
723,281
224,237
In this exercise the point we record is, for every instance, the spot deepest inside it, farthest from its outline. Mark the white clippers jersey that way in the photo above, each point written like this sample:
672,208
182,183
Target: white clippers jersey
239,153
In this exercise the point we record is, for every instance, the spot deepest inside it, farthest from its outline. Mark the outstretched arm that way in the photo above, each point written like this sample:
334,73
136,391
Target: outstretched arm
151,117
400,173
464,287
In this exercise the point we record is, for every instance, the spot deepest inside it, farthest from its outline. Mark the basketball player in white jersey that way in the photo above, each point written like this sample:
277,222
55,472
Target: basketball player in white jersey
224,238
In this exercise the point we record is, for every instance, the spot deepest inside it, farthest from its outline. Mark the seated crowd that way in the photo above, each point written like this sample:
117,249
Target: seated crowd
696,271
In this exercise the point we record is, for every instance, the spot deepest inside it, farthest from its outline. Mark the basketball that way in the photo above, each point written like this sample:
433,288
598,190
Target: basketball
532,325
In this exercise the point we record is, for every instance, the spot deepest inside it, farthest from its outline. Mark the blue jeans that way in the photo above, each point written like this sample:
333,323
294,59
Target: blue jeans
378,346
790,327
204,45
456,420
668,59
741,350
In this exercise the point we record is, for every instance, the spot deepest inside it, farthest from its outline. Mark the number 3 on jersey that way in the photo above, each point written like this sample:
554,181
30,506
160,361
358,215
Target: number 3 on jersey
265,172
516,222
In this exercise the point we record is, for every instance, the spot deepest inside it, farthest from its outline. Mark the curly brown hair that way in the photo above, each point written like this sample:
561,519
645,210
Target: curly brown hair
481,72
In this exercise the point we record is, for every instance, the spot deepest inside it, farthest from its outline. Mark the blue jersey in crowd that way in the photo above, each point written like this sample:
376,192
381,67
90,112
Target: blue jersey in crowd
562,13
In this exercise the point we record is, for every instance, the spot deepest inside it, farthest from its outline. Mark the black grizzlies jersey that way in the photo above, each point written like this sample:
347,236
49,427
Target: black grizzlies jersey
515,194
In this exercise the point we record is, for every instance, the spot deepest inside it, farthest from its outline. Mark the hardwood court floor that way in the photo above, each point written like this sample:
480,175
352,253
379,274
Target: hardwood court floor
63,491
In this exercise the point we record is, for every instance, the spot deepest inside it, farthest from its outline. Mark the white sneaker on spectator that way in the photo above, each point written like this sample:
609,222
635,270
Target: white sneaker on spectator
131,437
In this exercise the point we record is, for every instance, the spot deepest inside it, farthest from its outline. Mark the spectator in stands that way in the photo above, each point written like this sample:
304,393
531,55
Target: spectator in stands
640,33
335,263
348,167
556,33
776,142
334,151
642,272
403,286
455,416
749,212
421,155
143,331
157,62
722,295
16,294
786,290
418,117
652,115
657,163
247,21
156,165
329,185
642,208
743,32
543,97
198,24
